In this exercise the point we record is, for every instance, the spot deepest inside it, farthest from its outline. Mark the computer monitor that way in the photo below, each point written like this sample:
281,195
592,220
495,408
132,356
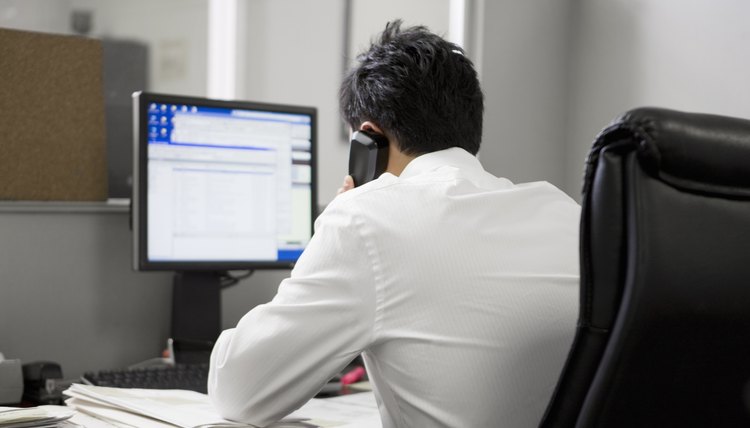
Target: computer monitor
219,186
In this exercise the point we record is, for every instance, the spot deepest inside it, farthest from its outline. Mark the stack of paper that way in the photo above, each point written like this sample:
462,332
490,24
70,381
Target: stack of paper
149,408
36,417
154,408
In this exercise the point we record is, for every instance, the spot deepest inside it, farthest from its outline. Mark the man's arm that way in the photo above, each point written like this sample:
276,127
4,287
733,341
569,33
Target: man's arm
282,353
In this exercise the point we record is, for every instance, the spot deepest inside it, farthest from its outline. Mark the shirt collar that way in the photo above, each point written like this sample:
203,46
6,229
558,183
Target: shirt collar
454,156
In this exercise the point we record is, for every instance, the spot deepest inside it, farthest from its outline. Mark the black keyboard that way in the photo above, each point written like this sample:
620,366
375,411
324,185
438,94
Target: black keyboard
181,376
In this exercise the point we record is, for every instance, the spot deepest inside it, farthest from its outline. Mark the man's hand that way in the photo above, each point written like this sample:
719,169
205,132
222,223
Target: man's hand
348,185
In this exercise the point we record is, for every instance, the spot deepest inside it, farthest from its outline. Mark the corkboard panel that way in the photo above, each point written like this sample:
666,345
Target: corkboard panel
52,139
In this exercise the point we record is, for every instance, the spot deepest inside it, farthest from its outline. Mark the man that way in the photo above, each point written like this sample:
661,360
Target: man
460,289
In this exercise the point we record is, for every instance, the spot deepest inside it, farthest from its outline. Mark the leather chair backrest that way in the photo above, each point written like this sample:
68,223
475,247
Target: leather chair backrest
663,337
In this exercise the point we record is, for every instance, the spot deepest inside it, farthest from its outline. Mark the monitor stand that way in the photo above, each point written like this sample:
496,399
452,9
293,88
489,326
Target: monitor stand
196,315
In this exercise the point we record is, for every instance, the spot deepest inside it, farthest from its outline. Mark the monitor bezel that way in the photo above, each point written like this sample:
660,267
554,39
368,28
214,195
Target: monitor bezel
141,101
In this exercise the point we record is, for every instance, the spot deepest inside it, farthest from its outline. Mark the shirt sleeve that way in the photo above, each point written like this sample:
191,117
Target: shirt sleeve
283,352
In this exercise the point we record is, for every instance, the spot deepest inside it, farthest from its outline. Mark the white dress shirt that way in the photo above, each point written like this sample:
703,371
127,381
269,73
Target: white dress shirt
459,288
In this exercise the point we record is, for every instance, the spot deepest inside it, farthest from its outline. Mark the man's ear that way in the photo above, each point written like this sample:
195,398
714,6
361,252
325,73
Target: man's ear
374,128
370,127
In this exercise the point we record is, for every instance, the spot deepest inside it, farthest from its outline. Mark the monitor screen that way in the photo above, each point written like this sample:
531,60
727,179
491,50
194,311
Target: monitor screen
221,185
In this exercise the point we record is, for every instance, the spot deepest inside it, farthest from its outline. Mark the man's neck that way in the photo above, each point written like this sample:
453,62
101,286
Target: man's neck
397,161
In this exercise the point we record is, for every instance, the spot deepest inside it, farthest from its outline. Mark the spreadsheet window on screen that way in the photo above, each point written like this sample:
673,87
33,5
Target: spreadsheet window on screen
227,184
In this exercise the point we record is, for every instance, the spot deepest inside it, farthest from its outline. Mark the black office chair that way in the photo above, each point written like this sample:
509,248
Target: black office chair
663,337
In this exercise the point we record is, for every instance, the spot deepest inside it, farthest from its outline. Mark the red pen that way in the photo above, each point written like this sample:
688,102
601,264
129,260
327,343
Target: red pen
355,375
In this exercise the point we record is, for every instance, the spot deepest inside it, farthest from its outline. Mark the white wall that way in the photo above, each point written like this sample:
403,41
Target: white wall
176,32
682,54
36,15
369,18
556,72
523,61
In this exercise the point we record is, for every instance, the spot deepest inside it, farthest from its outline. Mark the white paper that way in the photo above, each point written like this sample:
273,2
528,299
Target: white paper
89,421
186,409
114,415
162,407
15,417
353,410
149,408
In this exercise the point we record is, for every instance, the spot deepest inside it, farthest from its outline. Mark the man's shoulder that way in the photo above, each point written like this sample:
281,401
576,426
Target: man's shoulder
546,190
364,193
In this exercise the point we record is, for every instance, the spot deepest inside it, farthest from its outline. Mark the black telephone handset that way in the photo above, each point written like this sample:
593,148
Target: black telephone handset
368,156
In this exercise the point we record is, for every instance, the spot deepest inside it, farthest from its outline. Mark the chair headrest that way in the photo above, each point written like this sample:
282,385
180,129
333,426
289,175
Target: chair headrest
700,152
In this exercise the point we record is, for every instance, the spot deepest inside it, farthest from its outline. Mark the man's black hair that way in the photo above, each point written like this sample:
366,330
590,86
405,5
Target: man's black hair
418,88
